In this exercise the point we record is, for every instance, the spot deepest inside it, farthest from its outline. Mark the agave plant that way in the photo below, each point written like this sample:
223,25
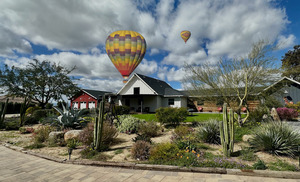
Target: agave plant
209,132
69,117
276,138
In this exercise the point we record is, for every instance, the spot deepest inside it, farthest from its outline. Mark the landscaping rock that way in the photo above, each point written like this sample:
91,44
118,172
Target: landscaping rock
246,138
56,135
72,134
275,115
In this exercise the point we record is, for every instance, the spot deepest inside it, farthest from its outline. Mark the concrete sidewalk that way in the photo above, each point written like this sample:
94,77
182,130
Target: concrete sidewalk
16,166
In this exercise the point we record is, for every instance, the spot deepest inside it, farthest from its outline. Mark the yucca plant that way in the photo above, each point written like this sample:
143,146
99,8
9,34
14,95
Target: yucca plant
276,138
69,117
209,132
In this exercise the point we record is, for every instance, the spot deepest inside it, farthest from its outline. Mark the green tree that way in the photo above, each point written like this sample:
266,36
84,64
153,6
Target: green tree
291,63
40,81
233,80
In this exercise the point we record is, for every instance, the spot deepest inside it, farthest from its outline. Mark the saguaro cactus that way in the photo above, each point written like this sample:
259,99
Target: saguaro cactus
3,107
227,131
98,127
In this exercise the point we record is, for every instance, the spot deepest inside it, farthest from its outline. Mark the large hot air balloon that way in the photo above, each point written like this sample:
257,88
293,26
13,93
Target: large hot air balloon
126,49
185,35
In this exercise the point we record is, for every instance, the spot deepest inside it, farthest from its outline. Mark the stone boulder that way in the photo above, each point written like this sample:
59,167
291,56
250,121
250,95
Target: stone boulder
246,138
72,134
56,135
275,115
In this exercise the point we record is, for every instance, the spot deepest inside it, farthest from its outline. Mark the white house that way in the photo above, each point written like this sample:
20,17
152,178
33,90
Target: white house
145,94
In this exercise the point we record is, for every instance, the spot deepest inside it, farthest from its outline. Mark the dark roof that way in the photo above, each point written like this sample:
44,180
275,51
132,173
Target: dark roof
95,93
159,86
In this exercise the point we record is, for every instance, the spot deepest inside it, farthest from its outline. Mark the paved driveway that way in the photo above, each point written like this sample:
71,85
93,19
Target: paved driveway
16,166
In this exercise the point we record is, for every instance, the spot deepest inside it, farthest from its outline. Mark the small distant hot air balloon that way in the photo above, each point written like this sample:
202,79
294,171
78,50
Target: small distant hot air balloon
126,49
185,35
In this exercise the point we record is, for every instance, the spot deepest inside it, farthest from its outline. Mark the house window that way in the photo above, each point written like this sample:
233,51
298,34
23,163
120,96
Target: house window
171,102
136,90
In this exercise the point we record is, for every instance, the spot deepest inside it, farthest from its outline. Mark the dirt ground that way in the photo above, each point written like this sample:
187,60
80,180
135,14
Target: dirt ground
120,151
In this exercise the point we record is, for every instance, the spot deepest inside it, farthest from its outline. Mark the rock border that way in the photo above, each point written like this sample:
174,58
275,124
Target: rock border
128,165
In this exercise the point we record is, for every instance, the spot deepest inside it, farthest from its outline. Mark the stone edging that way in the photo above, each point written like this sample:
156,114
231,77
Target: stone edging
259,173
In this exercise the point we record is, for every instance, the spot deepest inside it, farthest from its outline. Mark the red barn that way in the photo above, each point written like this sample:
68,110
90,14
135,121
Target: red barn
87,99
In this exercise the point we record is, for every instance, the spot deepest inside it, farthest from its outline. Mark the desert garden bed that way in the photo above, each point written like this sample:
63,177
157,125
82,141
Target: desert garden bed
170,150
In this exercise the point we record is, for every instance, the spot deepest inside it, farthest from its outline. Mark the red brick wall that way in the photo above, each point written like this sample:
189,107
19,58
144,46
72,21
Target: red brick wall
83,98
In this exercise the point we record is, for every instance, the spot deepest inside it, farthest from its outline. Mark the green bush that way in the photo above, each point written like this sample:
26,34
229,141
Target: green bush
260,165
150,129
169,115
209,132
49,106
40,113
30,110
276,138
163,152
128,124
121,110
140,150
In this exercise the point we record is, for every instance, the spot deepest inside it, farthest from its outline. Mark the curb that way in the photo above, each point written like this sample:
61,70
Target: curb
258,173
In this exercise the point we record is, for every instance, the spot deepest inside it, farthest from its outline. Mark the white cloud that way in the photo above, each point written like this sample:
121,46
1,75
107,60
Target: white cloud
219,28
286,42
172,74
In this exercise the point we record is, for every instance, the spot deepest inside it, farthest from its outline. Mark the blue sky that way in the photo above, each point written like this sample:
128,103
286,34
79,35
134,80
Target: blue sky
73,33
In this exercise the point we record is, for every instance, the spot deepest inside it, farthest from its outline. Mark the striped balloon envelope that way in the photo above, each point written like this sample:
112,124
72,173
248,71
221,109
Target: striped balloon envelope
126,49
185,35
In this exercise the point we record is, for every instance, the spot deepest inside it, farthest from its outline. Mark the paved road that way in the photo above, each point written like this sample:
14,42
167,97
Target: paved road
16,166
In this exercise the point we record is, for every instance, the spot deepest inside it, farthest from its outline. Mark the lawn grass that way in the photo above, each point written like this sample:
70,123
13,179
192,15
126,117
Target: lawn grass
198,117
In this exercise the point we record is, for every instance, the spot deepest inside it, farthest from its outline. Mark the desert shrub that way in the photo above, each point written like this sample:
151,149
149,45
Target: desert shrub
187,142
163,152
128,124
35,146
90,153
13,124
260,165
140,150
24,130
86,136
41,134
139,137
180,132
280,165
169,115
287,113
30,120
121,110
150,129
247,154
276,138
258,113
72,143
209,132
109,133
294,106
